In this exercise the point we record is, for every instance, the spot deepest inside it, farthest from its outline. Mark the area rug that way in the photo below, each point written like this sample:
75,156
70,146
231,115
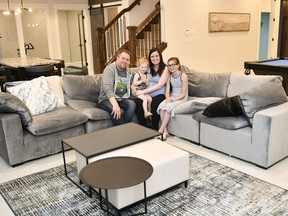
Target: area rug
213,189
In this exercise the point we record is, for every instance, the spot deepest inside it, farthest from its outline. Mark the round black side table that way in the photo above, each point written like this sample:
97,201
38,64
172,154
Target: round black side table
115,173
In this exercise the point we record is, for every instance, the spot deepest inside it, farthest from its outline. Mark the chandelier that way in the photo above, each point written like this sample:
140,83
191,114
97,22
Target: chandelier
17,11
9,11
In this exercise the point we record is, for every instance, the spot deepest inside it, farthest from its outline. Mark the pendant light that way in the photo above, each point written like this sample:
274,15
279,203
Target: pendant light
9,11
23,9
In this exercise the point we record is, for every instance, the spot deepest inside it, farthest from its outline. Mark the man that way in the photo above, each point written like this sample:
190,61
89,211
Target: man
115,90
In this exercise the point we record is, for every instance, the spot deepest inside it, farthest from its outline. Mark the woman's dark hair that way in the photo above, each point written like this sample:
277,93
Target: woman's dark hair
162,65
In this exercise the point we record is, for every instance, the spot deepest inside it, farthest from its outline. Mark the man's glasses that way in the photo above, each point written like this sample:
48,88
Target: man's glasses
171,65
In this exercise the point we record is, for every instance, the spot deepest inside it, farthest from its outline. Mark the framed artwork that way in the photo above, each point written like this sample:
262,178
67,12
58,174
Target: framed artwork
229,22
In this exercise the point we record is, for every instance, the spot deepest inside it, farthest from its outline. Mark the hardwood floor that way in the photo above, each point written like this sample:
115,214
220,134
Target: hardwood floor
277,174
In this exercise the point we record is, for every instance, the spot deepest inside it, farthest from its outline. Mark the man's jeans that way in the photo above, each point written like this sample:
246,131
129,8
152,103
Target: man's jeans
128,110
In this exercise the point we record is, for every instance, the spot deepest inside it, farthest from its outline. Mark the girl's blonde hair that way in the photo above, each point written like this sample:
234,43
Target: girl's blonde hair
142,61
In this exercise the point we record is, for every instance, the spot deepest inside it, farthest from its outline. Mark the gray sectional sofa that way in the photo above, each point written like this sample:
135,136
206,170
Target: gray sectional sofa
257,134
21,140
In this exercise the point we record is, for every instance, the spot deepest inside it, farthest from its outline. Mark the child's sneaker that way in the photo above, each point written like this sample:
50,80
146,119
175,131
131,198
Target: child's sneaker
147,115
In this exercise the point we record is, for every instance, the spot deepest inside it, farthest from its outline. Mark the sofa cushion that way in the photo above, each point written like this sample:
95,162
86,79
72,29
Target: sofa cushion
12,104
59,119
240,83
82,87
37,95
194,105
228,122
263,96
225,107
90,109
201,84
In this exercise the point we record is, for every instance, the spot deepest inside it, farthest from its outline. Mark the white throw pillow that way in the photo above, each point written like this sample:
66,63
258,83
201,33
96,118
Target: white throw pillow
37,95
56,84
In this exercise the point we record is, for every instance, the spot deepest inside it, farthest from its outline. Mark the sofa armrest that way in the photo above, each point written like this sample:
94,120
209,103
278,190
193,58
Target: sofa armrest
269,135
11,135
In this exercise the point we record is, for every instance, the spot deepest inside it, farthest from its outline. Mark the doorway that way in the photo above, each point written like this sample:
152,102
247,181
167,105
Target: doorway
284,30
72,38
264,33
97,20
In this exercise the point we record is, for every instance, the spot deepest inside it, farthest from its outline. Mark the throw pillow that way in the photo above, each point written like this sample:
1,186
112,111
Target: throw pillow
201,84
225,107
37,95
55,83
240,83
194,105
267,94
11,104
82,87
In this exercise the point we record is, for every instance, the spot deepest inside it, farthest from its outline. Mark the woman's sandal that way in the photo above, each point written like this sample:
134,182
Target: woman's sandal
163,136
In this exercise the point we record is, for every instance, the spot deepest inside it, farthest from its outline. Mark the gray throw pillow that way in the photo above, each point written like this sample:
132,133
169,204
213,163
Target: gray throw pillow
82,87
201,84
12,104
261,97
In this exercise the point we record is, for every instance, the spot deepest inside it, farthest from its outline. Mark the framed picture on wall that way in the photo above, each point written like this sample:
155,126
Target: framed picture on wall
229,22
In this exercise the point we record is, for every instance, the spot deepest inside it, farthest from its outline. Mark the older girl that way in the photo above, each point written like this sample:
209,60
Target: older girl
175,96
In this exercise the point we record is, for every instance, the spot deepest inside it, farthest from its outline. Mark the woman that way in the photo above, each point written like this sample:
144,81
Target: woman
174,96
158,76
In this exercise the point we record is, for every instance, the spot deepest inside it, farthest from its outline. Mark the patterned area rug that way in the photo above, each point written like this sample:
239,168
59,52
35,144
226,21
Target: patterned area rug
214,189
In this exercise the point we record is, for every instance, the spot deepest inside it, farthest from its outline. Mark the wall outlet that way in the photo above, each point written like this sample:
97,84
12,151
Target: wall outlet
189,32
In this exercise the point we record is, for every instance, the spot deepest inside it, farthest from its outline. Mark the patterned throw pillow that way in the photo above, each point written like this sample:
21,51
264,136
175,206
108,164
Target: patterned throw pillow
37,95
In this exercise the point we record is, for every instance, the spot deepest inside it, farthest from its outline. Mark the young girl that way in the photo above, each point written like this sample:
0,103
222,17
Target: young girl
178,94
140,82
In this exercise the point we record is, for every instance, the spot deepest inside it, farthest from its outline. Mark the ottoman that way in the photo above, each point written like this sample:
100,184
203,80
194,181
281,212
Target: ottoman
170,164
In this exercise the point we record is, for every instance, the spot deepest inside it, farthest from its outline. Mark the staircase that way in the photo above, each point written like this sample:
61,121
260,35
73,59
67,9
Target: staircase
137,39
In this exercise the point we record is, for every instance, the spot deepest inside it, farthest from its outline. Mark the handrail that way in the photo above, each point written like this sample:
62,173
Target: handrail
120,14
113,36
148,18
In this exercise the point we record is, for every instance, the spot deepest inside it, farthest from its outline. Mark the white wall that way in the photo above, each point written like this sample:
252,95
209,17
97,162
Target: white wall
64,40
8,36
138,14
204,51
200,50
35,32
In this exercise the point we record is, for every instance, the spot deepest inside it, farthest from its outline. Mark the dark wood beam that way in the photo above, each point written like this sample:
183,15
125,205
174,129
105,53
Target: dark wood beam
95,2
